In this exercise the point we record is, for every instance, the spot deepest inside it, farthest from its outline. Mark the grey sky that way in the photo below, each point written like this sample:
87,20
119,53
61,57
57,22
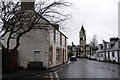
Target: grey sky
99,17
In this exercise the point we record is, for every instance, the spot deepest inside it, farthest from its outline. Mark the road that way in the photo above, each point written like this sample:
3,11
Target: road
84,68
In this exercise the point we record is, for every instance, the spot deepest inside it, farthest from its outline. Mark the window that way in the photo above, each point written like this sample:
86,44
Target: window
50,55
107,45
119,44
57,55
65,42
81,48
116,45
101,55
113,54
112,45
101,46
57,37
74,49
81,38
97,55
87,48
85,38
54,36
65,54
60,39
60,54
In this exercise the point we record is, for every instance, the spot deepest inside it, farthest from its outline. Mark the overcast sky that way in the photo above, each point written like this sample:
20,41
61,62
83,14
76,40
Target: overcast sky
98,17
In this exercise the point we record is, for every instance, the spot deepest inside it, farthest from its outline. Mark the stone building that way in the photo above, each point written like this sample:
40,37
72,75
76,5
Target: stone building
82,41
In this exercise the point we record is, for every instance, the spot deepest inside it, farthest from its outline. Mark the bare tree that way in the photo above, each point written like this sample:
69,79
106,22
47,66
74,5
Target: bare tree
94,41
52,11
17,23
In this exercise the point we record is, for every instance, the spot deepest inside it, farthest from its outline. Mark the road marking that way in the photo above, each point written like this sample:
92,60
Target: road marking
56,75
59,69
51,76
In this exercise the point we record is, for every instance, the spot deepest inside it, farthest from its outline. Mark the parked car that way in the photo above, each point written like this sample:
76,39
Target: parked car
73,58
92,57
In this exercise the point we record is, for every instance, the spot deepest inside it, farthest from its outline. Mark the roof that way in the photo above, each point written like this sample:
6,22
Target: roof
114,48
53,25
34,12
82,29
100,50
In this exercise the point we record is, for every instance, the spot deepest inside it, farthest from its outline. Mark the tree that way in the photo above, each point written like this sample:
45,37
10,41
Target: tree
94,41
17,23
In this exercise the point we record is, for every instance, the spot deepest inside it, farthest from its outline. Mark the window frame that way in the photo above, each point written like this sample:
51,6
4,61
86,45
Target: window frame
51,62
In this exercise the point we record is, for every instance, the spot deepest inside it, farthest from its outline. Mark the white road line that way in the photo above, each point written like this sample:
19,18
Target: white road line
56,75
51,76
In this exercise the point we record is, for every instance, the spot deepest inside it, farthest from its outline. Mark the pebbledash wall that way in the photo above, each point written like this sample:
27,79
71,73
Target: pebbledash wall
47,46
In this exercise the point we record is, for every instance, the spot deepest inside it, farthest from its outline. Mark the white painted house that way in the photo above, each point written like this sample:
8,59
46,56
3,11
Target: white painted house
39,45
100,53
114,49
109,51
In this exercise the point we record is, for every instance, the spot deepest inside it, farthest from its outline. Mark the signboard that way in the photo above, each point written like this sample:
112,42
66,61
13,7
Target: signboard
36,51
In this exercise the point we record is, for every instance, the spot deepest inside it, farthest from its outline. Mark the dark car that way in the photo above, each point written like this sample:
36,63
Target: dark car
92,58
73,58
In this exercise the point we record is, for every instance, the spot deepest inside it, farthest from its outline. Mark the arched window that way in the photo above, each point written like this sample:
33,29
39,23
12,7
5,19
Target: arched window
81,38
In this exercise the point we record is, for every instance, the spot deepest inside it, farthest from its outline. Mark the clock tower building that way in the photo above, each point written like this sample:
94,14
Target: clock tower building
82,41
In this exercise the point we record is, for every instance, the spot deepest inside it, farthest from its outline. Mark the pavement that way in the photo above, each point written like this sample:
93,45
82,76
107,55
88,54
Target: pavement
26,72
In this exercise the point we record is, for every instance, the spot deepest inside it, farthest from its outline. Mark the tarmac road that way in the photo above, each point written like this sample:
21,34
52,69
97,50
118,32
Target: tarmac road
83,69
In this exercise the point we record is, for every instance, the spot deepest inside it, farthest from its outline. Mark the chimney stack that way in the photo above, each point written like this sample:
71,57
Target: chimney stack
56,26
27,4
114,39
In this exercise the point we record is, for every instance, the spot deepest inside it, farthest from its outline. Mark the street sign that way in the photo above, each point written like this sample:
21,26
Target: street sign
36,51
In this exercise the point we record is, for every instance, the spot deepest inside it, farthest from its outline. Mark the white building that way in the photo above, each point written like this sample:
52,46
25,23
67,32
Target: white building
113,51
100,53
109,51
40,45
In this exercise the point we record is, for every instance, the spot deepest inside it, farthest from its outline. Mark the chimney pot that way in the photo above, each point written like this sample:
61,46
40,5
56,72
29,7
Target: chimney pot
27,4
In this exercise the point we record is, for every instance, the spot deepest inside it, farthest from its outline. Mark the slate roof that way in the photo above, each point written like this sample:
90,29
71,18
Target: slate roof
30,12
112,46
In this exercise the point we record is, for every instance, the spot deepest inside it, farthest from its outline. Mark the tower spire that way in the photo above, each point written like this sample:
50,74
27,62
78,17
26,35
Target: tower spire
82,28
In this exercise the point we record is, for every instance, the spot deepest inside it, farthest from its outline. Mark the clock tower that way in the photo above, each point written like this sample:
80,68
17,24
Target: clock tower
82,41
